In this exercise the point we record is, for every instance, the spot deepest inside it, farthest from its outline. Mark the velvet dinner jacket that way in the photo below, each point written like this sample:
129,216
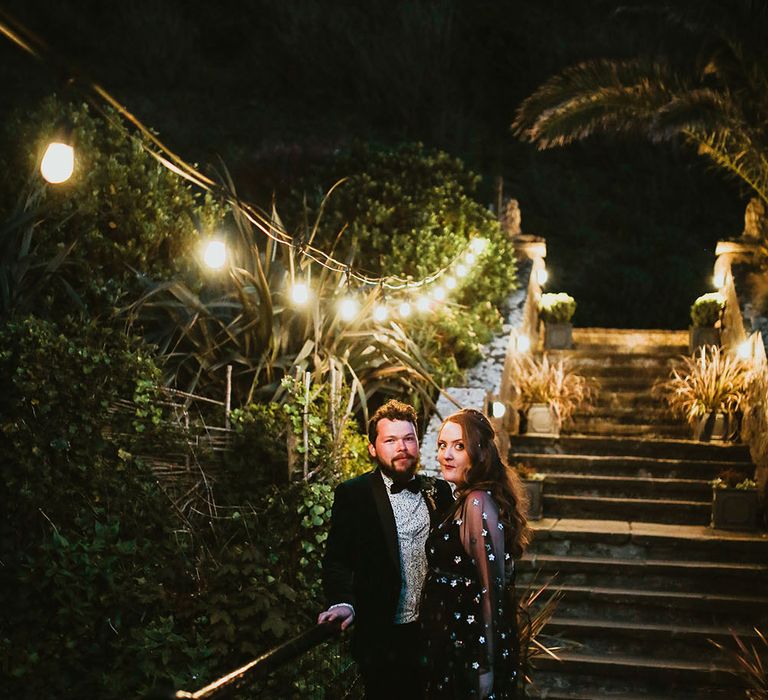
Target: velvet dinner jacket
362,559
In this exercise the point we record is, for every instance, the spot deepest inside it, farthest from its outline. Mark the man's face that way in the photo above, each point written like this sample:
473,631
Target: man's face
396,448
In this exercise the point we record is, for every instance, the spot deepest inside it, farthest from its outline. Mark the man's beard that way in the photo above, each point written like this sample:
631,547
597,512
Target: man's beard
396,475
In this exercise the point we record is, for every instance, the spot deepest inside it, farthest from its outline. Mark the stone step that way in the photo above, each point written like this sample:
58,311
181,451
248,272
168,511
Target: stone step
643,509
657,574
651,412
632,339
626,399
620,446
587,425
671,678
651,374
565,484
624,382
609,465
651,606
586,357
620,539
654,640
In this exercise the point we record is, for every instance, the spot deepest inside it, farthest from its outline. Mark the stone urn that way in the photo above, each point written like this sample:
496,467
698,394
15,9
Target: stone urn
542,420
699,336
734,509
558,336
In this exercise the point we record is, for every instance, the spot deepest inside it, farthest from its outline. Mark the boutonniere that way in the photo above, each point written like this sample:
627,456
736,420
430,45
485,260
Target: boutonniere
429,491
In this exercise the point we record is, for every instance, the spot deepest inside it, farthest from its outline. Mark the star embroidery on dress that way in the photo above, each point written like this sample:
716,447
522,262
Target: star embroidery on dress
501,526
475,502
475,665
459,521
505,653
506,556
482,640
470,619
484,532
457,559
454,583
457,615
485,515
446,536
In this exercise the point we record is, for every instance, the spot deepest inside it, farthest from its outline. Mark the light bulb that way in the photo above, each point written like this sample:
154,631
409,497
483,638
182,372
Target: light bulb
542,275
348,308
498,409
380,313
438,293
450,282
300,293
718,279
461,270
404,309
215,254
478,244
523,343
744,351
58,162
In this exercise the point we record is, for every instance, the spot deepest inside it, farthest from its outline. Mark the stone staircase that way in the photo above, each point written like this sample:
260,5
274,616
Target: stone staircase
625,538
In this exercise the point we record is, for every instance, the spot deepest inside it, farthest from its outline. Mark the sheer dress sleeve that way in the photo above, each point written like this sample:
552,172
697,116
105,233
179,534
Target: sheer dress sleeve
482,535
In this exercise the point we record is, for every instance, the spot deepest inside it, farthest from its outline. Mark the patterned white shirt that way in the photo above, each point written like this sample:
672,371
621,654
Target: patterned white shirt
412,522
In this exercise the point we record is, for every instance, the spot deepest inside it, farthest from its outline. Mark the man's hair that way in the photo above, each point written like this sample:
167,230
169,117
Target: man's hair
392,410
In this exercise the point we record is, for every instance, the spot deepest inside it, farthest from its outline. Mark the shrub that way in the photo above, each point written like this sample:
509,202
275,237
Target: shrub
710,382
557,308
540,381
706,310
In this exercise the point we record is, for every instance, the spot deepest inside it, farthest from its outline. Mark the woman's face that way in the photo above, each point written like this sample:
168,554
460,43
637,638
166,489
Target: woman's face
452,453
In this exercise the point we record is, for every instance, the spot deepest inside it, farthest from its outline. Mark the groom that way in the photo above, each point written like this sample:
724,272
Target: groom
375,563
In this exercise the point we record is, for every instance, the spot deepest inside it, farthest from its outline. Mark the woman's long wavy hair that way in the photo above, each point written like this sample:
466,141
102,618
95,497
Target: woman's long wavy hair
488,472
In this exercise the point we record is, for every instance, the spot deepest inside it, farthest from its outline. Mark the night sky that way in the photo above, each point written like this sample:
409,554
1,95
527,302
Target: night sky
631,227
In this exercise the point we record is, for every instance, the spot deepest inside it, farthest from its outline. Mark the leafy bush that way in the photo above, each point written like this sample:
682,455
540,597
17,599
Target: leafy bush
706,310
557,308
124,212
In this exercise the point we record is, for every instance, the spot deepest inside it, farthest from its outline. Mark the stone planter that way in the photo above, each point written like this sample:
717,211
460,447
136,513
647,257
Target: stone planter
716,427
700,336
558,336
734,509
534,490
542,420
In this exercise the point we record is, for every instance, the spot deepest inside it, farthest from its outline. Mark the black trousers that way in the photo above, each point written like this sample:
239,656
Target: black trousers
391,666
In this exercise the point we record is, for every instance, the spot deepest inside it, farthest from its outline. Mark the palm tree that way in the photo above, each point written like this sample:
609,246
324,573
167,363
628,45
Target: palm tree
709,85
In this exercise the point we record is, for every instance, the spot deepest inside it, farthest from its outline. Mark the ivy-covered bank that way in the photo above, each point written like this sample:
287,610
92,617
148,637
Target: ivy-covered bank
129,558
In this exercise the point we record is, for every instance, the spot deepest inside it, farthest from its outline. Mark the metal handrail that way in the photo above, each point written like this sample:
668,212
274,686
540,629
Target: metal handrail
259,667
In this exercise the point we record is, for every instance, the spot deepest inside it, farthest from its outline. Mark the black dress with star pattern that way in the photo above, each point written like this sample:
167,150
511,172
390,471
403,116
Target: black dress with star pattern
467,627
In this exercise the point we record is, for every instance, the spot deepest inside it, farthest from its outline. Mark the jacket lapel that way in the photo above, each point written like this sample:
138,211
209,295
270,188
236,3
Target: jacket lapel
386,516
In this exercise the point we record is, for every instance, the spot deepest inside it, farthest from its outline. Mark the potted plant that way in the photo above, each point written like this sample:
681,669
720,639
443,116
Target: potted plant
734,501
705,319
549,392
533,483
707,391
556,312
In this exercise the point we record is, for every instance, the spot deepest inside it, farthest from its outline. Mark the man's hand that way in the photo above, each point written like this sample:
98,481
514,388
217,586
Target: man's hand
339,613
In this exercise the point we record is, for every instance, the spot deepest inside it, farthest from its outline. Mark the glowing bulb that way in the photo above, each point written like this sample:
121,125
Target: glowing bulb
422,303
300,293
523,343
404,309
58,163
542,275
461,270
438,293
348,308
498,409
478,245
718,279
450,282
470,258
380,313
744,351
215,254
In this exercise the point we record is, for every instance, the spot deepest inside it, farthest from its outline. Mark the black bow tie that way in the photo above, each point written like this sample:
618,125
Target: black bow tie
412,486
